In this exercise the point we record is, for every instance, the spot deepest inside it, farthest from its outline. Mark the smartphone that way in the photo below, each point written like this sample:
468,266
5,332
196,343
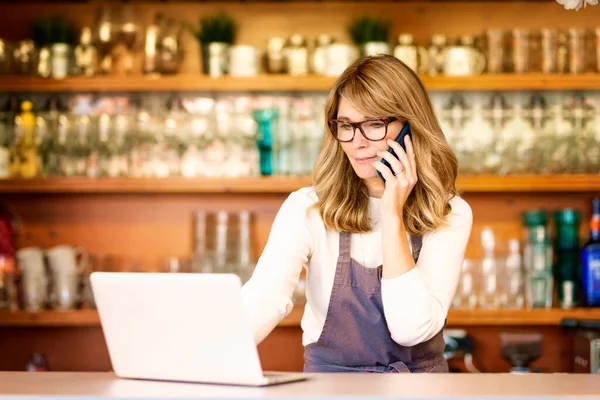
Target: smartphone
400,140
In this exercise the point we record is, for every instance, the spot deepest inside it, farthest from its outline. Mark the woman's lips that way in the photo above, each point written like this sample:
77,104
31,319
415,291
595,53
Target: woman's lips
365,160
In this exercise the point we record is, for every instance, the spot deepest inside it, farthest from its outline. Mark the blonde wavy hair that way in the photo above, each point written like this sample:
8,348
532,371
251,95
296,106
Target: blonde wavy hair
383,86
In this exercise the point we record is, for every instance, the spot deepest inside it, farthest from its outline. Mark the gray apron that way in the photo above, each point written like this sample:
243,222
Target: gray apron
355,336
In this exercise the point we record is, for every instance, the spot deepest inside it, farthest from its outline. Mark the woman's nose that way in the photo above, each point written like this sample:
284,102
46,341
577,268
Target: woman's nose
359,139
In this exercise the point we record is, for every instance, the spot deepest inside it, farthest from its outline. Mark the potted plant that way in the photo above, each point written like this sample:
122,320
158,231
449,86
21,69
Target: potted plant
371,34
215,34
54,37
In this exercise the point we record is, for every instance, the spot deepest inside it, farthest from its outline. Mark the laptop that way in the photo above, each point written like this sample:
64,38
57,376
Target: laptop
179,327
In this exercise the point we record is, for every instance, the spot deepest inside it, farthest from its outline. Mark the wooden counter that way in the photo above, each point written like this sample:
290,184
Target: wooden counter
142,221
57,385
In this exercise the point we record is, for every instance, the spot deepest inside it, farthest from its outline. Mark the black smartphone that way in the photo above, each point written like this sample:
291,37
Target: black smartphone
400,140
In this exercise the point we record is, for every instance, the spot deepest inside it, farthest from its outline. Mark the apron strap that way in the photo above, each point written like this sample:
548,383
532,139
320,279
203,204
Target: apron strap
345,241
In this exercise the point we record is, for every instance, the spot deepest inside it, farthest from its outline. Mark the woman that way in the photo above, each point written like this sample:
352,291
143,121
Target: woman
382,259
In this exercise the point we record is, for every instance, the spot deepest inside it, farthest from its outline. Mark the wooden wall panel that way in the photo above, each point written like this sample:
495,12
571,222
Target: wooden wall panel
146,228
259,21
65,349
84,349
150,227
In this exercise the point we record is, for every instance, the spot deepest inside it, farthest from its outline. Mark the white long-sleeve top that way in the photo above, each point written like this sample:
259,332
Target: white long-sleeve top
415,304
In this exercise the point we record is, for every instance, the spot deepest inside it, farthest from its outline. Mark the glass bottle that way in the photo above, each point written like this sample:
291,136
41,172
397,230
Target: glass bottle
302,131
101,147
537,260
79,147
174,130
30,162
592,141
557,134
567,256
44,132
64,142
6,128
466,295
513,295
142,141
497,114
51,130
590,260
436,54
549,46
519,139
577,50
296,54
488,295
267,135
221,248
86,54
579,113
286,141
7,135
478,132
538,118
245,264
455,112
118,146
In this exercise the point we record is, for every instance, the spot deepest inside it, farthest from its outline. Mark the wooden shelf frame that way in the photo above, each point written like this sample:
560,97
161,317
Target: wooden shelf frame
522,317
286,83
277,184
262,185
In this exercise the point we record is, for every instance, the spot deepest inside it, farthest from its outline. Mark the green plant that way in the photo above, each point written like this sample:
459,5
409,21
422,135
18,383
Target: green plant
369,29
216,28
52,30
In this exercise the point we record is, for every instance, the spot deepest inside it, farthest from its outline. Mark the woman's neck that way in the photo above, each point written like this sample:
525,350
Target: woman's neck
375,186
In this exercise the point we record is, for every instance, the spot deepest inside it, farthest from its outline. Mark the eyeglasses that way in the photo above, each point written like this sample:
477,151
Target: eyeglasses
373,129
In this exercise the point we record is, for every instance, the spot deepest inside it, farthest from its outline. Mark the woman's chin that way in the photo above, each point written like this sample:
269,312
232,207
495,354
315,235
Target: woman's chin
365,172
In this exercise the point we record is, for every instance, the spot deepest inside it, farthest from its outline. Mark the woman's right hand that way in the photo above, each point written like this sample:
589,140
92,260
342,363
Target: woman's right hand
400,182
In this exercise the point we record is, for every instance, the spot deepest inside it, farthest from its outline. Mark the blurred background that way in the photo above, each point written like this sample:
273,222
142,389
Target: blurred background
164,136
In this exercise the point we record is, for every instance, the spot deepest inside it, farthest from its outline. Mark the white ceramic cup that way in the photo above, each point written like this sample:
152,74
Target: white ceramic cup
244,60
66,266
339,56
34,279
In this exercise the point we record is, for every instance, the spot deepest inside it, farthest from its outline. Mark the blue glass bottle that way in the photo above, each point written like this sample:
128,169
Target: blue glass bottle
590,261
267,120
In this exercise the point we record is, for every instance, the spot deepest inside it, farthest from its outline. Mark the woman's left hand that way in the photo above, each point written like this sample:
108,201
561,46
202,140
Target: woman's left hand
400,182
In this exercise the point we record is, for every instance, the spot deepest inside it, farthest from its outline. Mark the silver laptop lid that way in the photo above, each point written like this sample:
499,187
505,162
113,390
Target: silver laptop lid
184,327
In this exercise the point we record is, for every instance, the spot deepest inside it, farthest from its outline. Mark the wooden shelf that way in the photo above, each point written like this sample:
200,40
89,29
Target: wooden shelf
279,184
550,317
286,83
530,183
168,83
275,184
520,317
80,318
505,82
